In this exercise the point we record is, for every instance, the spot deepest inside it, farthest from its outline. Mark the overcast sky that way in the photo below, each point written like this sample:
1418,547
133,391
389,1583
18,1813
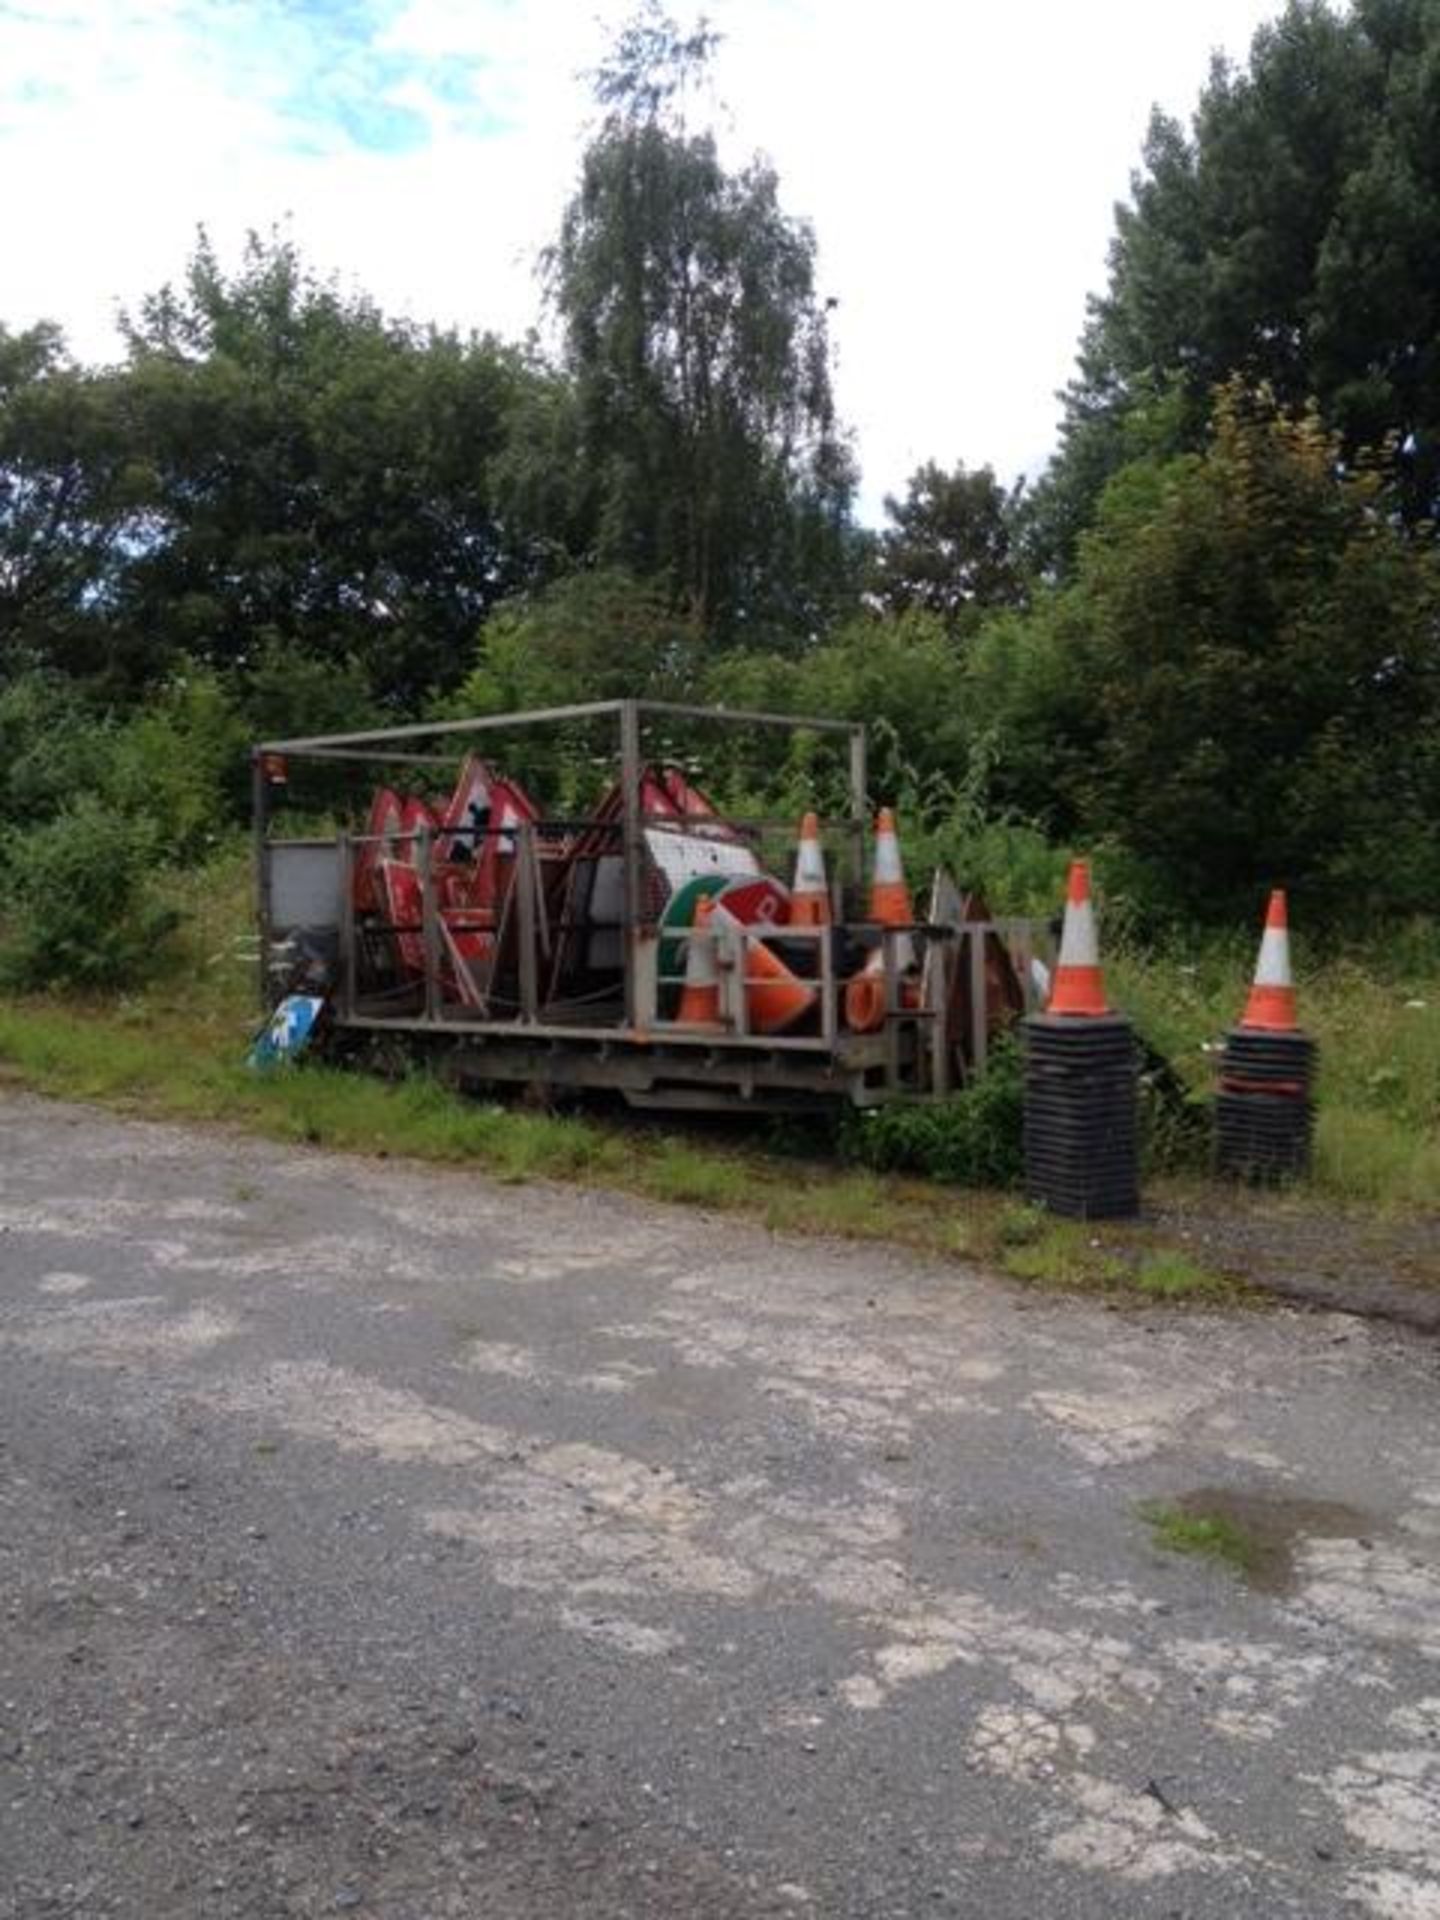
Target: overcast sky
959,160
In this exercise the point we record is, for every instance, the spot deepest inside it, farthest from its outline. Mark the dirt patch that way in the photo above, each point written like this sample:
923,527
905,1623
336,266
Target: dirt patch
1291,1247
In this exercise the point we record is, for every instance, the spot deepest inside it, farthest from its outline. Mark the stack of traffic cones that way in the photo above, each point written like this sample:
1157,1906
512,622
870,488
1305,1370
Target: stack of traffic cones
1264,1116
1082,1150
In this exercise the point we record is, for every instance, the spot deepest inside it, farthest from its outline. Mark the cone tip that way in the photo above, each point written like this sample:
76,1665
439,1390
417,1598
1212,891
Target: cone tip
810,827
1275,913
1078,885
886,822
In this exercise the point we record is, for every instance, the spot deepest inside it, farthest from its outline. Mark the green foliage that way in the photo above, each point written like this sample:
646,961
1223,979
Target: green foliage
950,549
1065,1254
180,765
176,767
74,493
971,1139
1292,237
1213,1536
51,740
1171,1275
77,907
699,353
326,479
1241,687
286,513
591,636
288,693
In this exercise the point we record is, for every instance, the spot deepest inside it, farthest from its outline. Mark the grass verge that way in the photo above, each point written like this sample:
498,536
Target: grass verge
1376,1019
169,1058
1090,1258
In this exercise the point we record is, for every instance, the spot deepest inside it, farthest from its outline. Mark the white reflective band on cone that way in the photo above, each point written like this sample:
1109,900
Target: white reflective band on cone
888,871
810,867
1079,942
1273,967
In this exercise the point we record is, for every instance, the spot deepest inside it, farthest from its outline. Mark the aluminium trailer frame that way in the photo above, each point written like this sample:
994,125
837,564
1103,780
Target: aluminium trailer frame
649,1060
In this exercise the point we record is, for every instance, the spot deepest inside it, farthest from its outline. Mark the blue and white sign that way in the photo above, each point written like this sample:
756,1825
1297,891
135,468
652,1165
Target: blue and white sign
288,1033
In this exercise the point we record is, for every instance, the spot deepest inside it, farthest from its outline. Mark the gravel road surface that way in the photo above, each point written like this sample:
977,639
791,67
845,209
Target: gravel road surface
383,1540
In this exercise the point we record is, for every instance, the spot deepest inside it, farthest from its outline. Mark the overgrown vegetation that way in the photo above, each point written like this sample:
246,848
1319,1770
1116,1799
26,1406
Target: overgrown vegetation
972,1139
1375,1014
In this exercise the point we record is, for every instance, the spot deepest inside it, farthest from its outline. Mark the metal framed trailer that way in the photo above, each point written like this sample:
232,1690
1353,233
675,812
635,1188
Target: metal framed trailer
623,1039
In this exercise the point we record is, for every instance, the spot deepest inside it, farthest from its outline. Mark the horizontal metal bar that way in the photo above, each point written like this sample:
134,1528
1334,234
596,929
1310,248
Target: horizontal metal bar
333,745
659,1034
749,716
435,729
398,759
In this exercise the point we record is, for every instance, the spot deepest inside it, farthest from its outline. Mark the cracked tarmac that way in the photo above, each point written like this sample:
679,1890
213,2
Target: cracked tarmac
385,1540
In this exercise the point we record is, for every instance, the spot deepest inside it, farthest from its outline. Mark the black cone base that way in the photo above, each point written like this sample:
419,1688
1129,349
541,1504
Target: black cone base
1082,1151
1264,1118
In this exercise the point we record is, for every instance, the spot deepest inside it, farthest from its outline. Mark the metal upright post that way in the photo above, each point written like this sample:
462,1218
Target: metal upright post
429,925
979,1009
829,1011
525,879
892,1008
346,852
859,802
260,816
630,831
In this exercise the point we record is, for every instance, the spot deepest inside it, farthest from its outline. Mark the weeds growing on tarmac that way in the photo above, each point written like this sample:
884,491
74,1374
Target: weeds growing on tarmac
1212,1535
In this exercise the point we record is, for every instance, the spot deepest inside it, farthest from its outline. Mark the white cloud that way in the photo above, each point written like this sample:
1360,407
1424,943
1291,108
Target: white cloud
958,162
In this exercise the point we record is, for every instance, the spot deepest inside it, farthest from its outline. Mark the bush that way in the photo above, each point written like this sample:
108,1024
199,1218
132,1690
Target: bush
180,762
974,1138
76,902
52,745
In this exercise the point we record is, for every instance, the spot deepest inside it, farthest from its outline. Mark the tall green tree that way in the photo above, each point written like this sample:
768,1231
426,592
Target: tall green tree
949,549
327,480
1290,235
1242,686
74,498
699,349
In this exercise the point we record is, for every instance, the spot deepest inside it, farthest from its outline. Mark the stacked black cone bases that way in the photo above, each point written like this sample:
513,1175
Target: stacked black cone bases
1082,1153
1264,1113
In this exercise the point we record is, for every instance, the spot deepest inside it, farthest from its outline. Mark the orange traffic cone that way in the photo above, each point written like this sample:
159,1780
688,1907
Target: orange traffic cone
890,906
1271,1006
774,997
865,998
810,895
890,901
1079,987
700,997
